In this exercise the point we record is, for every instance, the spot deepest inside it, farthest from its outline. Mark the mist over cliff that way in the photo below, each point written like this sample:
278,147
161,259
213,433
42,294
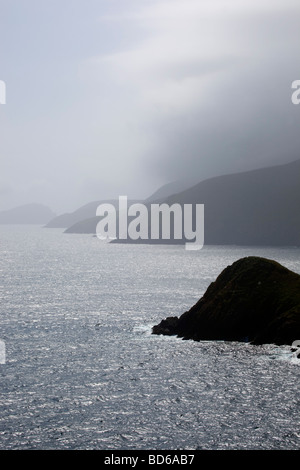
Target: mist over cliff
258,207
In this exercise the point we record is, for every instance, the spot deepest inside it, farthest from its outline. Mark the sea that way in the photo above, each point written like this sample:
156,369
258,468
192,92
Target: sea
82,371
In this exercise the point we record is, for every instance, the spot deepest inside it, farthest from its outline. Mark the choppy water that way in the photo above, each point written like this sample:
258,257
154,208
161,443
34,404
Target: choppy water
83,371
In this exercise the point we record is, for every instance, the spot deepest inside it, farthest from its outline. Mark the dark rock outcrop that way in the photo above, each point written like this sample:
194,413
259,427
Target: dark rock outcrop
255,300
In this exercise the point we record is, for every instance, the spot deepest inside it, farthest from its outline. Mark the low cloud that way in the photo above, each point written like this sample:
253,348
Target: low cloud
144,95
212,85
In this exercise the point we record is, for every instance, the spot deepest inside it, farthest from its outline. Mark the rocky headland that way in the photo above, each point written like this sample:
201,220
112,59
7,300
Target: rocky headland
256,300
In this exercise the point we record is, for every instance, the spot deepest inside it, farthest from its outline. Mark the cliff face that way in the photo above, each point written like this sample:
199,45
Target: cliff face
254,299
258,207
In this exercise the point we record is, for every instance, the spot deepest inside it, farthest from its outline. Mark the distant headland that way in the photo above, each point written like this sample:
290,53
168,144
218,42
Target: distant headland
27,214
253,208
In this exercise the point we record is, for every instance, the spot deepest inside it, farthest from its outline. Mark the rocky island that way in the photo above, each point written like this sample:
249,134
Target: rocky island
255,299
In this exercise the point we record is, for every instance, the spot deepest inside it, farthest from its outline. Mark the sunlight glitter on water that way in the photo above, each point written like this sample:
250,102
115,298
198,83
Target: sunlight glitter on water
83,370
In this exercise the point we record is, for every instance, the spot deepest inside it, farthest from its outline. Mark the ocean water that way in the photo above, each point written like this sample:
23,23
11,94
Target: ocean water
82,370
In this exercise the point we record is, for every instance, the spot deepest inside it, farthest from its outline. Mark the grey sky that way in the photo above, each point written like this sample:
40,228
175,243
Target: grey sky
107,97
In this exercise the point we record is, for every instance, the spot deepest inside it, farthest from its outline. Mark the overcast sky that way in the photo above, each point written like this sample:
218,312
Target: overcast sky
114,97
